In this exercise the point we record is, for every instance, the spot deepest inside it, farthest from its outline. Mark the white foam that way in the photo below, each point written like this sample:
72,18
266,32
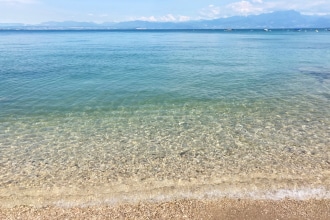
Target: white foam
298,194
280,194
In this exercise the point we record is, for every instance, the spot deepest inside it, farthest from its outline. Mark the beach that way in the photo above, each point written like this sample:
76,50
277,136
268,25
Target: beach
182,209
196,202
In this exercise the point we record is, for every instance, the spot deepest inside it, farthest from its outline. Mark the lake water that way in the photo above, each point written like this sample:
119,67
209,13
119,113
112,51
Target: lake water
89,117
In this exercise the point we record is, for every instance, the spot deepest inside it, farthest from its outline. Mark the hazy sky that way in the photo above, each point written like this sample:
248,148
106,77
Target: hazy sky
36,11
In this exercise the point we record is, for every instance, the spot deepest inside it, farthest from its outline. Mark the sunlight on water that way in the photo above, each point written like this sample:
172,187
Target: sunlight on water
161,114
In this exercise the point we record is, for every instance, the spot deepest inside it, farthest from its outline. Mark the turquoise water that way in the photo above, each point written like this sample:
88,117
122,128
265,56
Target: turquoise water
111,113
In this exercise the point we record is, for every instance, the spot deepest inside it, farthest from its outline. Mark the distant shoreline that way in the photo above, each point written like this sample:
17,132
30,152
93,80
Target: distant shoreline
165,30
287,19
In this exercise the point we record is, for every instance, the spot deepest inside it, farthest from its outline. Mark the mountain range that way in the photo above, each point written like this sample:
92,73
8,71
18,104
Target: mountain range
279,19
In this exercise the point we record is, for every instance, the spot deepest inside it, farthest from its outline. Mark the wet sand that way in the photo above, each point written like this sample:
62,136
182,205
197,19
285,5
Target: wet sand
224,208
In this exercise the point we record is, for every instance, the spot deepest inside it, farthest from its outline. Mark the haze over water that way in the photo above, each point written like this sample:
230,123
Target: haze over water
101,116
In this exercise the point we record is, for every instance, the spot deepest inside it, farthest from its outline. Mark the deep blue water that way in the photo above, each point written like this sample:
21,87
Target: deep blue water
44,71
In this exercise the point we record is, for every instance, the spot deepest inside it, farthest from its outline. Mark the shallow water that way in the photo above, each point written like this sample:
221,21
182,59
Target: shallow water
99,116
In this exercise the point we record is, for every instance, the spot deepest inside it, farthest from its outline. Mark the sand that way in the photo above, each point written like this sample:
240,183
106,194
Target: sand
182,209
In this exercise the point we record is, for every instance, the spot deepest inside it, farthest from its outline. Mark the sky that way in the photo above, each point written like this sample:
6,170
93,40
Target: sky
99,11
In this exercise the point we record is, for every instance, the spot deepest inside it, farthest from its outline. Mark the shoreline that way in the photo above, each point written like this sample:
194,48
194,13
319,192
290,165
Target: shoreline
222,208
169,203
113,195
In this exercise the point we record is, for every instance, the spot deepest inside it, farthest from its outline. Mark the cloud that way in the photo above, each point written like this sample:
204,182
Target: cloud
306,7
210,12
168,17
183,18
254,7
97,15
237,8
246,7
150,18
165,18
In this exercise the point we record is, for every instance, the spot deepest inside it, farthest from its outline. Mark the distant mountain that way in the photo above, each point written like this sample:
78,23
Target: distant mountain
2,25
279,19
67,24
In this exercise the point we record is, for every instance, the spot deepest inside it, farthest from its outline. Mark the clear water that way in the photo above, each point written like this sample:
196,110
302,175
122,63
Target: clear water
98,116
